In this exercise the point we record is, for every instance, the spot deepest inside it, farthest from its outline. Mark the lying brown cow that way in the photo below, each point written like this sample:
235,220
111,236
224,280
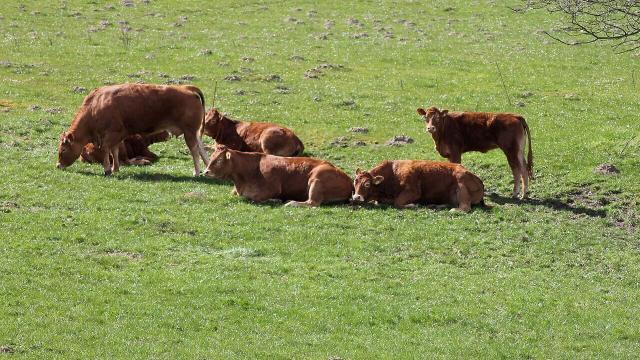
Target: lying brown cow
458,132
134,150
252,136
405,183
261,177
110,114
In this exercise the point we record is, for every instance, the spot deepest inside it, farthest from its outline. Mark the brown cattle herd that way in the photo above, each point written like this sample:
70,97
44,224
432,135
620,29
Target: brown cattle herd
116,124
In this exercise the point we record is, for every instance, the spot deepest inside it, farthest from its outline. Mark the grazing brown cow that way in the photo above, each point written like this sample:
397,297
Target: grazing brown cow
261,177
134,150
455,133
110,114
405,183
252,136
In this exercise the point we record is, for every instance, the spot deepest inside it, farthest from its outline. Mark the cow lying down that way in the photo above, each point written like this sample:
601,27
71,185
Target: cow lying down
406,183
261,177
134,150
262,137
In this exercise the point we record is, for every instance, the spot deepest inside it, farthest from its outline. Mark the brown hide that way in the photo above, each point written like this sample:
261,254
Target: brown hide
134,150
110,114
261,177
455,133
408,182
252,136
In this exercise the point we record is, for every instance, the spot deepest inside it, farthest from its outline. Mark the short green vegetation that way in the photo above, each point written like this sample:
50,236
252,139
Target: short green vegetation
152,263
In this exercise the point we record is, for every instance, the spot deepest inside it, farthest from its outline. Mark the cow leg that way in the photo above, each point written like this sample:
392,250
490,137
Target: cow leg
406,199
192,143
455,157
514,164
106,163
115,152
315,196
203,152
464,199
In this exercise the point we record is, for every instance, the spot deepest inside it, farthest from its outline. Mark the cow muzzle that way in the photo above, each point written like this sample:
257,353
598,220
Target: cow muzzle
357,198
60,166
431,129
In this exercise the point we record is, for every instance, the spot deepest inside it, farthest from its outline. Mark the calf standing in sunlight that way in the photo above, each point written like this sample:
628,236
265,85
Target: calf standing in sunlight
111,113
458,132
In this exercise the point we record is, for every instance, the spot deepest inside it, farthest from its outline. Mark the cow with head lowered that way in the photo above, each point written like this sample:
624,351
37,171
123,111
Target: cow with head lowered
248,136
407,183
261,177
455,133
110,114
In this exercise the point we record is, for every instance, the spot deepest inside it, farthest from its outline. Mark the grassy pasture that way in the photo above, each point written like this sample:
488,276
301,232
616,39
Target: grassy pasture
152,263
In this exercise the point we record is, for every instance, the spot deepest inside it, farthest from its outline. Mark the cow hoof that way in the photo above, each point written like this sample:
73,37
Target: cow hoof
108,173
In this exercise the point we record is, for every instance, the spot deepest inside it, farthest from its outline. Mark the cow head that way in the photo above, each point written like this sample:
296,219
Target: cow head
68,150
220,164
366,186
213,122
433,118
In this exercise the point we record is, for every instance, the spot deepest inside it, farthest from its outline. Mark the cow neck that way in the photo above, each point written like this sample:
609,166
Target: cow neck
227,134
249,162
79,128
447,128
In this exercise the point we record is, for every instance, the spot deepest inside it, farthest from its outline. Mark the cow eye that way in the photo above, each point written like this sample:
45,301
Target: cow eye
367,184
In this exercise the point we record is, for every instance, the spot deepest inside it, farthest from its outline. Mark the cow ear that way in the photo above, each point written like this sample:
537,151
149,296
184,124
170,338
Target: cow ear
358,171
378,179
421,112
228,155
444,112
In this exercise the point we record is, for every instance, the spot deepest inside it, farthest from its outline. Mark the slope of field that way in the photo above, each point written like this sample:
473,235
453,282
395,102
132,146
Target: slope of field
152,263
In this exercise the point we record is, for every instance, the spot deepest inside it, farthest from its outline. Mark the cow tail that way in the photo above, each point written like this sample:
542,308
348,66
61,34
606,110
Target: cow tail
204,110
530,155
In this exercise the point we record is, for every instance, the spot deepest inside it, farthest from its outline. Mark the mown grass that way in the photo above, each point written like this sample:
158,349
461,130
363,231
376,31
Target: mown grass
152,263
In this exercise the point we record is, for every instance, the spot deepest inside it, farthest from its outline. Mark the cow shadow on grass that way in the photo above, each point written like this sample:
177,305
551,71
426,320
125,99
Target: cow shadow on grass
430,207
551,203
155,177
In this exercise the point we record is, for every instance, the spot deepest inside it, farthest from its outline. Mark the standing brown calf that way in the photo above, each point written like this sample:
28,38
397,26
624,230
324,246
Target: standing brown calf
455,133
405,183
261,177
134,150
109,114
262,137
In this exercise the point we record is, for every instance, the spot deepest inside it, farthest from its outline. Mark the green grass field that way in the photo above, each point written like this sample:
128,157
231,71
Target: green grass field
153,263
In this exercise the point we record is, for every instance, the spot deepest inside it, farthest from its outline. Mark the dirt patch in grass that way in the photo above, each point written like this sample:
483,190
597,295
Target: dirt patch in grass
240,253
400,140
124,254
6,350
8,206
316,72
606,169
358,129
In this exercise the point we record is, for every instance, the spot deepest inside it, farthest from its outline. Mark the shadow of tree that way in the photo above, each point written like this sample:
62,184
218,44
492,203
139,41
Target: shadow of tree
551,203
